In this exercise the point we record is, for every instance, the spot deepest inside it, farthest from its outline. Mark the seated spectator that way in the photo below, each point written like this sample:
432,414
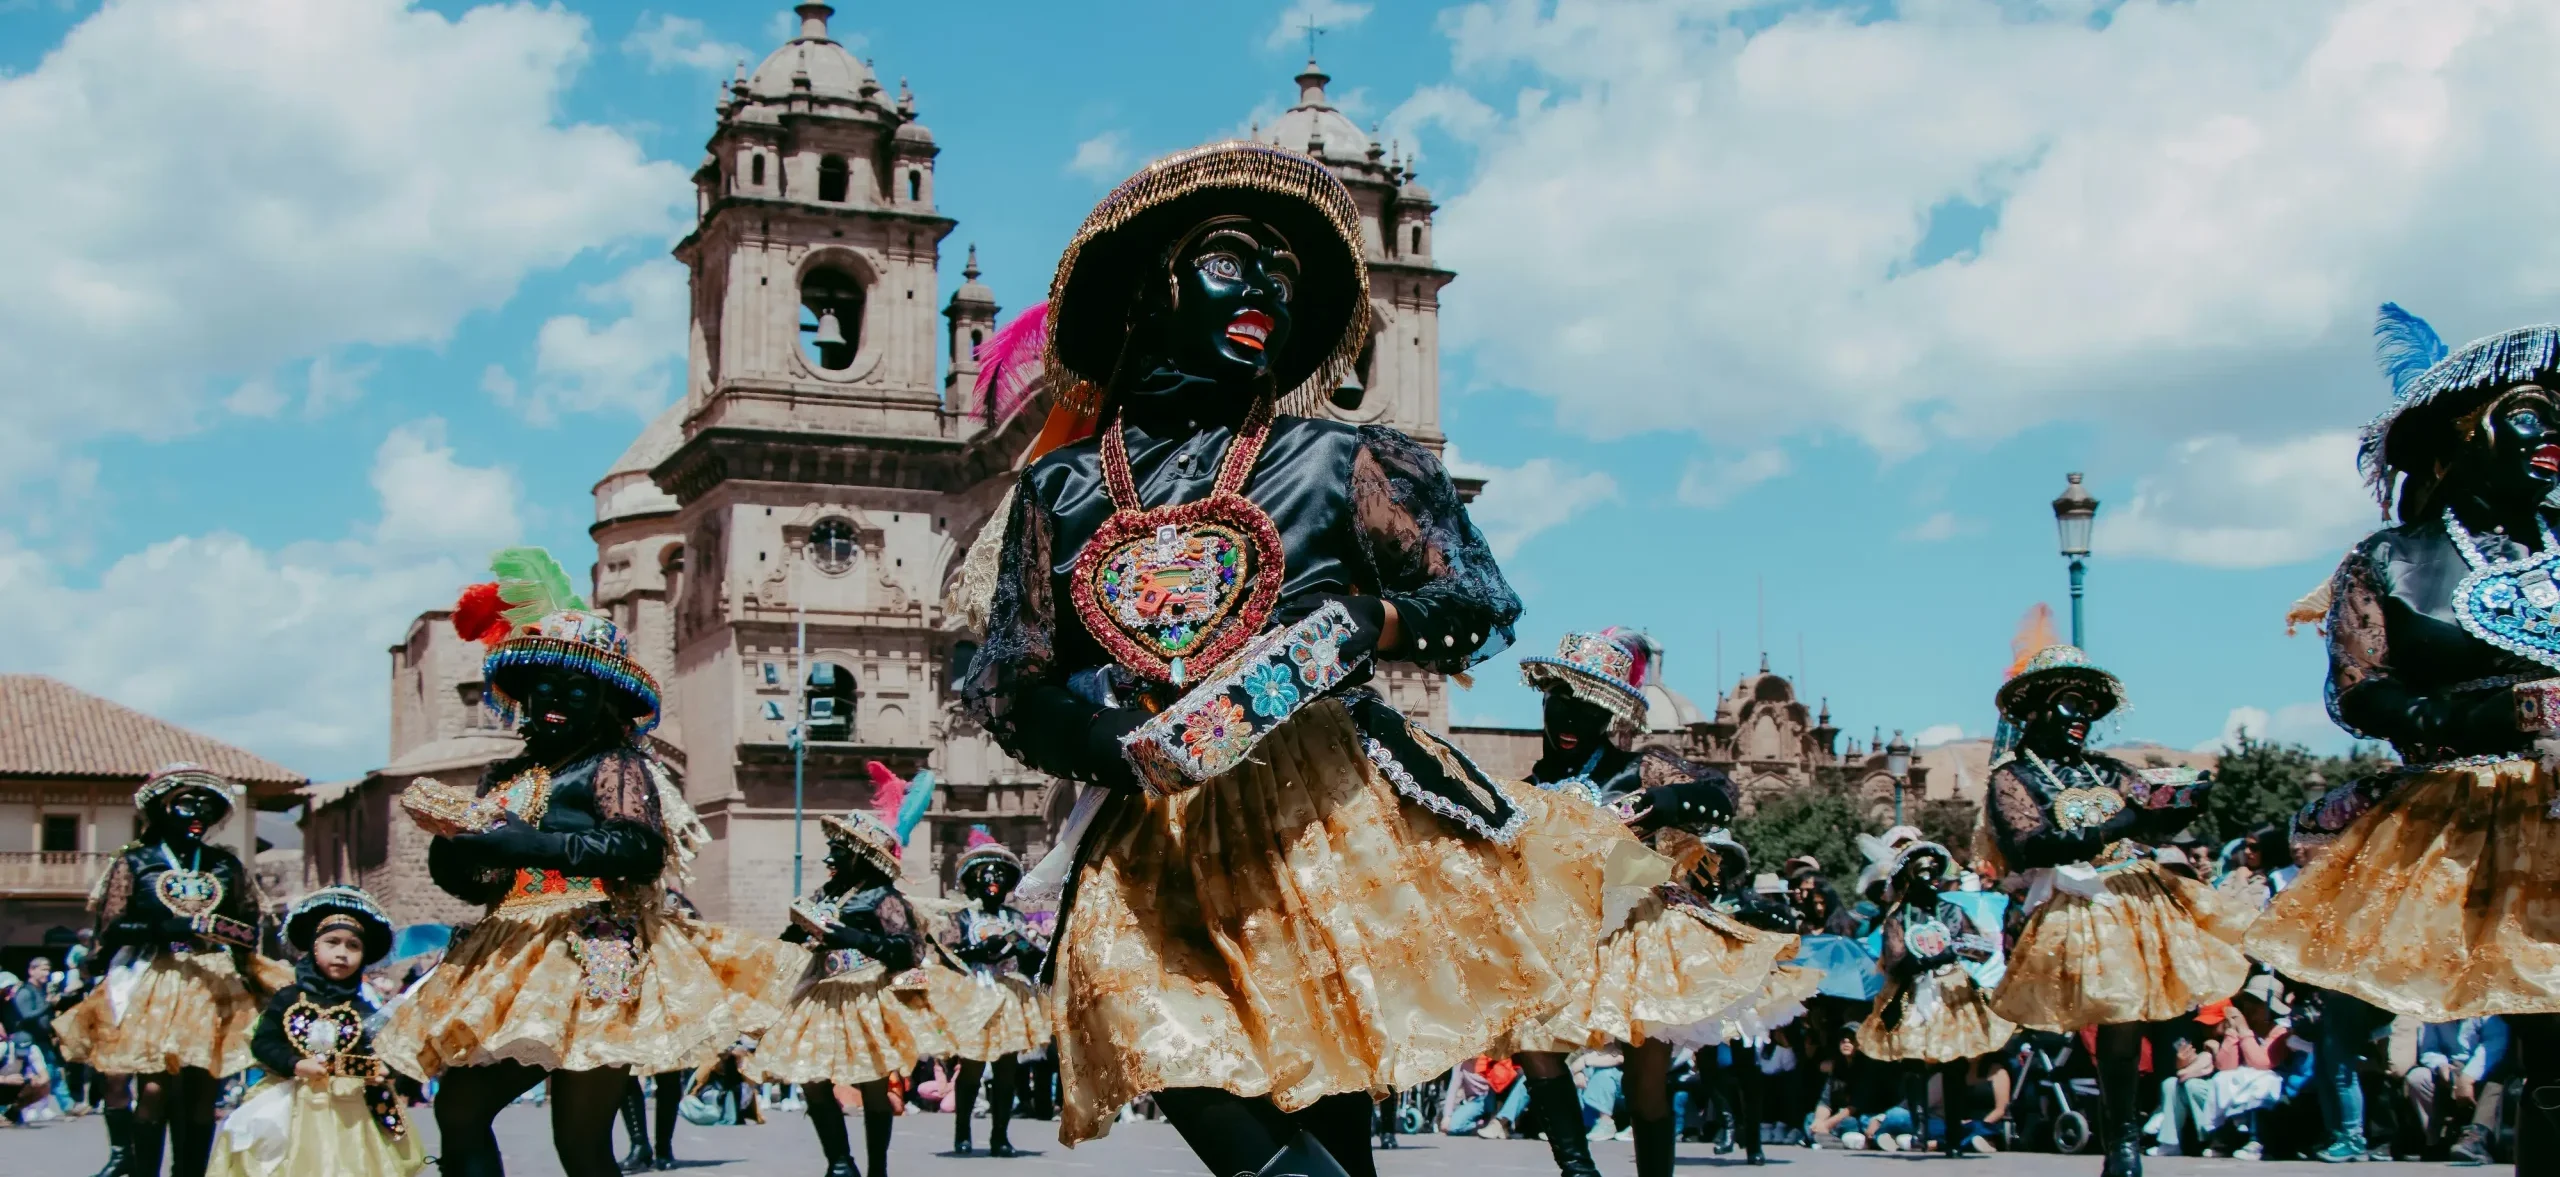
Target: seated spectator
2457,1066
2187,1087
1476,1089
1600,1074
1861,1102
24,1078
2258,1064
931,1083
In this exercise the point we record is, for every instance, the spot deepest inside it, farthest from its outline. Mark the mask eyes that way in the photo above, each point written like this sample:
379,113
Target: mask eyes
1283,284
1222,266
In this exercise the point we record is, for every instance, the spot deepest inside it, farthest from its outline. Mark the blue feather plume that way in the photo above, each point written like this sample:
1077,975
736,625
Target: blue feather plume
919,798
2405,346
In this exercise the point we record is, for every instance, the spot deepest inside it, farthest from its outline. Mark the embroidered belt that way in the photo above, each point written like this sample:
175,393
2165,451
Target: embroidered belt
550,890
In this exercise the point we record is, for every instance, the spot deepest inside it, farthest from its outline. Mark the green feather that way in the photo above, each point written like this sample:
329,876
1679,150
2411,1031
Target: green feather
533,585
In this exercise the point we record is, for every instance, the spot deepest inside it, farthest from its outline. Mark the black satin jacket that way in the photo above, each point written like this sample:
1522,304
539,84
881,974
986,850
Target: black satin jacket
2400,667
602,821
129,909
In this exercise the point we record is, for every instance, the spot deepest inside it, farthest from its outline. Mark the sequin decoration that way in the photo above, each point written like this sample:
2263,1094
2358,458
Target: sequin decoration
607,948
322,1032
2511,604
188,893
2086,808
1217,731
1172,588
1274,690
1927,937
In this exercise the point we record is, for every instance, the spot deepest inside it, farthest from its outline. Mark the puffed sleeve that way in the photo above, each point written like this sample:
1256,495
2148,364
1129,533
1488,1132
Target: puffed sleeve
2026,831
274,1052
121,920
1452,603
2368,698
1013,688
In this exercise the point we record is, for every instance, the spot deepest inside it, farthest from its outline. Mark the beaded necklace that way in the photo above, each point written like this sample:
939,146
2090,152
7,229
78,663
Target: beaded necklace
2078,807
2511,604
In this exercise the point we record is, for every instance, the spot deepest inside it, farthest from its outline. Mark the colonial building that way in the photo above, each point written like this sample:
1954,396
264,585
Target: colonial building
1761,734
69,763
788,528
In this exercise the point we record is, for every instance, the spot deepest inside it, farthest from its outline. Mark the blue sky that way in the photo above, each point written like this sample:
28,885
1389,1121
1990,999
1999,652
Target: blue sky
318,300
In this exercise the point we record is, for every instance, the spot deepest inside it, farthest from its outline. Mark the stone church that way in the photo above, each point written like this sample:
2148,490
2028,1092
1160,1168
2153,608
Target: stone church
789,526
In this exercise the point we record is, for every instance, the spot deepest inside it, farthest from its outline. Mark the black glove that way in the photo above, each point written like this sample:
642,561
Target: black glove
1684,805
1100,760
1368,621
177,927
515,842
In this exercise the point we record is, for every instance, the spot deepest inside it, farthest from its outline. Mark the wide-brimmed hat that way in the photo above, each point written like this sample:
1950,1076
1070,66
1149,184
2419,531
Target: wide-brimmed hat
2435,388
2051,669
983,847
1122,251
313,913
1610,668
531,618
169,780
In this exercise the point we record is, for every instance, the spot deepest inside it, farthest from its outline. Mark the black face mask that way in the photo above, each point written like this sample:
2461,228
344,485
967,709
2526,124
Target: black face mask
2524,443
848,870
989,882
1575,727
1232,281
565,712
2060,729
187,817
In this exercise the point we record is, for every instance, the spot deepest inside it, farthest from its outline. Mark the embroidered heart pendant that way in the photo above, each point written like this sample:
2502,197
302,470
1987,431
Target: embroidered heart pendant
1175,590
188,893
2505,607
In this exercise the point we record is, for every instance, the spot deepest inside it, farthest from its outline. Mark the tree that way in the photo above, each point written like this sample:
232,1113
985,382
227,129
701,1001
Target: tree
1822,821
1949,822
2260,783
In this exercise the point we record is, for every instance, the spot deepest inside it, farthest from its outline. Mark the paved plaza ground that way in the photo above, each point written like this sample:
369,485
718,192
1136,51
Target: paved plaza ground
75,1148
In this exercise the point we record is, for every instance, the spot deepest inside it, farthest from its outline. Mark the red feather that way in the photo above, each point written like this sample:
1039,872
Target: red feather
888,790
1009,363
477,616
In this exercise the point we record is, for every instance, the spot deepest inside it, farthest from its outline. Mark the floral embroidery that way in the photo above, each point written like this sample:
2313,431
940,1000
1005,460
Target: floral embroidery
2080,809
607,948
1218,731
1274,690
1317,653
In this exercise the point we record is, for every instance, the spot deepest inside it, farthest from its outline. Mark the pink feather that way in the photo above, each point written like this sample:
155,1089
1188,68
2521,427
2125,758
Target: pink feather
888,791
978,836
1009,363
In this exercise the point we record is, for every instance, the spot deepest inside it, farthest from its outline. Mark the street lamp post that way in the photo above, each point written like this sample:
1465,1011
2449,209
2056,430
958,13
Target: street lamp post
799,732
2075,512
1897,764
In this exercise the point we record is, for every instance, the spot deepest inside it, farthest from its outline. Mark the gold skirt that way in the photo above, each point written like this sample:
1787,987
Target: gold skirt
849,1029
1962,1026
295,1129
2441,903
512,989
1674,971
2150,947
988,1017
1295,929
758,973
185,1009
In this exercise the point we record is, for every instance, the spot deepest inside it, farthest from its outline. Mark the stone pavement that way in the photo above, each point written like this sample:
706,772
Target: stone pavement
785,1147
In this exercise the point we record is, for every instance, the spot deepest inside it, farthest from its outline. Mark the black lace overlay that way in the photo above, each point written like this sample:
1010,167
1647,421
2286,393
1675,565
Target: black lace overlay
2030,834
2400,667
1451,600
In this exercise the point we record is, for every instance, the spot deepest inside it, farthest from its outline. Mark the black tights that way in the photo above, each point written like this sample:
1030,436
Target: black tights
1008,1080
1232,1134
1951,1093
181,1103
2119,1080
826,1116
668,1093
583,1105
2537,1048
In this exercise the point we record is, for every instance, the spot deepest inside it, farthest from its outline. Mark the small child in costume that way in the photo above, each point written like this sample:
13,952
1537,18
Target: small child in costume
326,1107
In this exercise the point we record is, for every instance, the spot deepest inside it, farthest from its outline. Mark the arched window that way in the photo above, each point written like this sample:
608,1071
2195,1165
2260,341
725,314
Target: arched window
977,339
1417,239
1355,387
831,178
915,184
831,700
755,169
830,318
831,545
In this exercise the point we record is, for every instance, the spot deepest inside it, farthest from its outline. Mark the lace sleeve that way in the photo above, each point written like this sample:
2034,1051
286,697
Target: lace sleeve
898,924
1897,950
1451,600
114,893
1011,688
625,791
2359,650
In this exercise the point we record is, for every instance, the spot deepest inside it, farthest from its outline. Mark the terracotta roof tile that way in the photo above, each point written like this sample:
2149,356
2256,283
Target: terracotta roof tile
50,728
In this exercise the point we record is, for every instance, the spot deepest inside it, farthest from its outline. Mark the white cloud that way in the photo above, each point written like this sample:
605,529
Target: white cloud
1332,16
628,363
2293,723
328,384
1521,501
1103,157
1941,525
257,396
1711,484
2196,208
283,179
1936,734
279,651
681,43
2225,503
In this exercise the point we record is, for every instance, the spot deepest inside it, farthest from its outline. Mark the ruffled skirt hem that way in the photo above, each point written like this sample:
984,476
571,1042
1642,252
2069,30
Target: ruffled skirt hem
180,1011
1675,971
987,1019
2147,947
1961,1025
849,1031
323,1131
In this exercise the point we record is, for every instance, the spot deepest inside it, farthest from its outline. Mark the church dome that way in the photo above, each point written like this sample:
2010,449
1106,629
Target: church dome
912,132
627,490
1669,710
1315,127
831,70
972,291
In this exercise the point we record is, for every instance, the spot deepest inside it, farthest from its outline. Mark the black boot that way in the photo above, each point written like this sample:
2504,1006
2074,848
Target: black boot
1746,1110
119,1140
1558,1106
2119,1128
826,1117
670,1098
1304,1158
1000,1106
964,1106
635,1124
150,1139
1657,1146
190,1147
877,1121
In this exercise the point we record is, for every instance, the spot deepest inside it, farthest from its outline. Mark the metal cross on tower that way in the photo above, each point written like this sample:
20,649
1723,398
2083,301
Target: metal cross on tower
1313,31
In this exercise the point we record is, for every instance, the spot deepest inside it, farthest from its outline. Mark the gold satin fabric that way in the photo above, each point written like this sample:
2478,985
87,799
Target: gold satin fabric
843,1030
510,990
757,973
988,1020
2151,946
2441,903
1962,1027
189,1009
1674,970
1294,929
333,1135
